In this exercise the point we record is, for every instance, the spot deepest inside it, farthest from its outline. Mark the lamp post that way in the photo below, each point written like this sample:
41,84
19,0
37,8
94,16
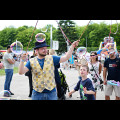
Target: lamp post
51,42
86,42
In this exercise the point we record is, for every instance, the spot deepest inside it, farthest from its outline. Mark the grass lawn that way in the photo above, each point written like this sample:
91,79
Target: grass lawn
2,71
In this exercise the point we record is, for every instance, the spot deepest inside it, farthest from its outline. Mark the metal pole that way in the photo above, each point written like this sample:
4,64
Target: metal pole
67,45
86,42
16,45
51,42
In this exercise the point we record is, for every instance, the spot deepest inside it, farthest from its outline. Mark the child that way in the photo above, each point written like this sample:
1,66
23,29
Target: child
85,86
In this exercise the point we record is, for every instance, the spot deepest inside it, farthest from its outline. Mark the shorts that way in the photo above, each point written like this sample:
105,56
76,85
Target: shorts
109,89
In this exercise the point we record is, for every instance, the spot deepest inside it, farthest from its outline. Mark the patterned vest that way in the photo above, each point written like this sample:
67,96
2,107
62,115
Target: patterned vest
43,78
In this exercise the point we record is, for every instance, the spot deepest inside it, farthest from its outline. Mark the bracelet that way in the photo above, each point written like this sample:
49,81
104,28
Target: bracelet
22,60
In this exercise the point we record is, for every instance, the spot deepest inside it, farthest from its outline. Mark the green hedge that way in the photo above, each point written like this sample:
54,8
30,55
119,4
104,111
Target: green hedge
89,49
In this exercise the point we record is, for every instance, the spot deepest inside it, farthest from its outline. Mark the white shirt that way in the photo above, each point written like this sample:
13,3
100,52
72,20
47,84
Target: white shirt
102,56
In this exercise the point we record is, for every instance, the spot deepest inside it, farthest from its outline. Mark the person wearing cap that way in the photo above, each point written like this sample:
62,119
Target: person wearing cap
112,67
9,62
42,67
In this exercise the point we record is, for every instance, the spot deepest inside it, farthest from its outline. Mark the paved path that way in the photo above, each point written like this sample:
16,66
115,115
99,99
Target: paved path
72,77
20,86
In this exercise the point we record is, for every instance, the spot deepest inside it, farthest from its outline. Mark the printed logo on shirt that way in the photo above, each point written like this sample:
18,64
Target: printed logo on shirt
112,65
82,95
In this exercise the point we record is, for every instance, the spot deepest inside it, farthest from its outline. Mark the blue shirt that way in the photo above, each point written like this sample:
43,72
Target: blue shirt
56,60
71,60
88,84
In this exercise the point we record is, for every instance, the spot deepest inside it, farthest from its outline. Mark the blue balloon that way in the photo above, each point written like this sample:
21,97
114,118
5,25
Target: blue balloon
99,51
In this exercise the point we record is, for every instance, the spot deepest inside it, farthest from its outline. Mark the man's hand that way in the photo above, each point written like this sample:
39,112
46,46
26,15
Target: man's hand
11,61
76,43
24,57
104,75
105,82
69,53
85,90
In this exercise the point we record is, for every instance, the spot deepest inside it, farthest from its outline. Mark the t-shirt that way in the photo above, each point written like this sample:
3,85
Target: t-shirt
71,60
56,60
113,66
88,84
5,60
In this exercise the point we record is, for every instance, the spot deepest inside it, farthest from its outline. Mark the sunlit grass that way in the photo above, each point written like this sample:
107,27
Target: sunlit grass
2,71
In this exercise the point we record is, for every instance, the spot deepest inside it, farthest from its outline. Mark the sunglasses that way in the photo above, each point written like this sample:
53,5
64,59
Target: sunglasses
92,55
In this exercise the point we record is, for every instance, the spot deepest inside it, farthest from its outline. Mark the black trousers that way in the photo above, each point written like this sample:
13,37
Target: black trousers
30,84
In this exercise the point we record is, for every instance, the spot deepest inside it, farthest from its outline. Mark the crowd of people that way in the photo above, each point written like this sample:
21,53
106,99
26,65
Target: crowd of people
109,64
44,80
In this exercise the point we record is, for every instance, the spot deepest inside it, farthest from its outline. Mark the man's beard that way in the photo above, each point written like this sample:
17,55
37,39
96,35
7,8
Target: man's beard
42,55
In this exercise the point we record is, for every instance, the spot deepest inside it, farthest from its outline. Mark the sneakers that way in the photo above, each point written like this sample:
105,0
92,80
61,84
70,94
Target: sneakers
11,93
8,94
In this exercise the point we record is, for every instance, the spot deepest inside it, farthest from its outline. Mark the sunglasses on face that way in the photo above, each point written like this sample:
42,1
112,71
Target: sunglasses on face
92,55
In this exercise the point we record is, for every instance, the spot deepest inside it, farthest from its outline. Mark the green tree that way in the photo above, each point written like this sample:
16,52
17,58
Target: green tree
95,34
69,29
7,36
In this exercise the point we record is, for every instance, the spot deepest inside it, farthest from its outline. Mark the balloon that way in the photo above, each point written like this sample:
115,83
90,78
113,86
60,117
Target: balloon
106,53
104,49
40,37
112,82
109,45
99,51
17,47
81,50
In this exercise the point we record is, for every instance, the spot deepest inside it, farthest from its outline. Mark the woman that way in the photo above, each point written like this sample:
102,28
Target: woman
95,71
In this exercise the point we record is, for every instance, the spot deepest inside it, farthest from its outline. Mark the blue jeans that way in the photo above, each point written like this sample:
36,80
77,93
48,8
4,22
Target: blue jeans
44,96
9,74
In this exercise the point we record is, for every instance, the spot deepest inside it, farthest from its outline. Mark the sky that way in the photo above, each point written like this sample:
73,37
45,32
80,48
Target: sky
42,23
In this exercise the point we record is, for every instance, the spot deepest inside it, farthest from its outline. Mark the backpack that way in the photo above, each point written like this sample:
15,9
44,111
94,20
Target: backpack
64,85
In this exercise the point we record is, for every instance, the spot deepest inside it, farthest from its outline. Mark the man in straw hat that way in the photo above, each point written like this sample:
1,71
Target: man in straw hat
42,67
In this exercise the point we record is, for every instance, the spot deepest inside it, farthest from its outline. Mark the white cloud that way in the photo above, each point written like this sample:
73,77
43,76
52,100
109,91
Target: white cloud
42,23
85,22
18,23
